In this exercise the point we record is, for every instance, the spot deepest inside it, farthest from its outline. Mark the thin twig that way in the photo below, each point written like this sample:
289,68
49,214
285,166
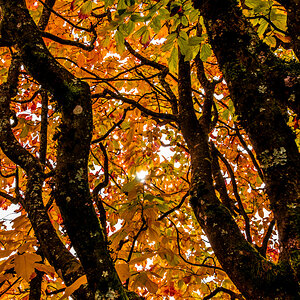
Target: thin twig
174,208
103,137
183,258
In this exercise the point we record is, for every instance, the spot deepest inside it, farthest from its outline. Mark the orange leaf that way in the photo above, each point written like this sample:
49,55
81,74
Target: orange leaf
44,268
25,264
123,271
74,286
142,280
142,258
5,253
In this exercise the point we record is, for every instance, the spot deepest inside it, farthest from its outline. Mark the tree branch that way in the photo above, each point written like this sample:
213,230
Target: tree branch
183,258
62,41
236,193
145,60
46,13
264,246
103,137
44,127
174,208
232,294
112,95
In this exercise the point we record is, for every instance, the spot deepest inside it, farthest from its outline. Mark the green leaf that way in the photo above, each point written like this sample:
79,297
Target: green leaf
116,144
195,40
183,35
262,27
120,41
130,2
173,61
205,52
225,114
145,37
127,28
121,5
130,186
24,132
156,24
251,3
184,21
261,7
140,32
86,8
270,40
136,18
183,42
169,43
108,3
149,197
191,53
194,15
164,13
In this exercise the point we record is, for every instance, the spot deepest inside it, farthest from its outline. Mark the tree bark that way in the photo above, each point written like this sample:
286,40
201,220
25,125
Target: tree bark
253,75
71,176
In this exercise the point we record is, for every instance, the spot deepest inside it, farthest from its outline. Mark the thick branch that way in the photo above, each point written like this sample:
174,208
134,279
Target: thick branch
44,127
62,41
257,81
51,245
72,192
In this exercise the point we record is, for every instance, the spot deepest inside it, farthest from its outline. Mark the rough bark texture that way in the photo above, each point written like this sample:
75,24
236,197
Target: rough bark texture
71,185
256,82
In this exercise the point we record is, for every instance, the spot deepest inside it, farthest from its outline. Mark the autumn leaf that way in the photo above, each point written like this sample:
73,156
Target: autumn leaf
45,268
123,271
142,280
141,258
85,9
25,264
73,287
82,113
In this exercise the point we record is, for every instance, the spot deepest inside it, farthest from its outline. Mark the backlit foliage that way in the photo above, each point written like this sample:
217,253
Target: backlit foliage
158,252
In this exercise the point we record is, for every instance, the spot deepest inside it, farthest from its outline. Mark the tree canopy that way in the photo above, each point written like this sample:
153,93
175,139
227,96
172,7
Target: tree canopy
149,150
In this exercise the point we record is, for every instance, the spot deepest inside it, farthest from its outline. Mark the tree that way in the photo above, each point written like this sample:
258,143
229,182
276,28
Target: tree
85,108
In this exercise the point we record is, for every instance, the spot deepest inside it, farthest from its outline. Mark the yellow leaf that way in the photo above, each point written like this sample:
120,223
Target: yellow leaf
142,258
123,271
7,264
19,221
25,264
23,248
151,286
142,280
44,268
74,286
153,235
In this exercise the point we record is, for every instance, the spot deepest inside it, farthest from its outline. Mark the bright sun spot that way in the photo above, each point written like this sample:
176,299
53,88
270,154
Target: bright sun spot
141,175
